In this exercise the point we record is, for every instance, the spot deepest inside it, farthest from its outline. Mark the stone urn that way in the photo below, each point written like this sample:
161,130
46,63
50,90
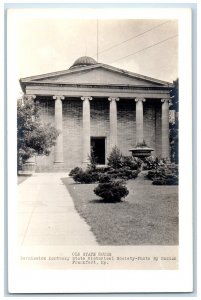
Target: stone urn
29,167
141,150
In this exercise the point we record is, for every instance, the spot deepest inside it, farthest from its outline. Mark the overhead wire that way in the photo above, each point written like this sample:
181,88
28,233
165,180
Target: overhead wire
133,37
153,45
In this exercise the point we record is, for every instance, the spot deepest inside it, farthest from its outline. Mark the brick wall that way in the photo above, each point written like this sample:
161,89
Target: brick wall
72,132
99,109
126,131
126,136
149,124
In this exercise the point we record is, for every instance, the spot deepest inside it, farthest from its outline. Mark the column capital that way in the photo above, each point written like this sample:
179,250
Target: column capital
168,100
113,99
140,99
58,97
86,98
31,97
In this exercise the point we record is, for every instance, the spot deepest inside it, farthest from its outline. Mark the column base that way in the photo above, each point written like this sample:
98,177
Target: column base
59,165
85,164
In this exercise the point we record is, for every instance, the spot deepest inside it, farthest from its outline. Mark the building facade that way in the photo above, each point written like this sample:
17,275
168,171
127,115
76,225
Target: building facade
100,106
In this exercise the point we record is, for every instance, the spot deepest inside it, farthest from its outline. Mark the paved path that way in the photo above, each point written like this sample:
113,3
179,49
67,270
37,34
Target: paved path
46,213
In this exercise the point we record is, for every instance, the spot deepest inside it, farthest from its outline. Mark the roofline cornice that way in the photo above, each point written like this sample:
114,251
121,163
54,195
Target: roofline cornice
99,86
91,67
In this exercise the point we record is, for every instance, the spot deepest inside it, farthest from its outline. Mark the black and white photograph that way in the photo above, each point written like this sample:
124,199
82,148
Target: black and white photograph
96,141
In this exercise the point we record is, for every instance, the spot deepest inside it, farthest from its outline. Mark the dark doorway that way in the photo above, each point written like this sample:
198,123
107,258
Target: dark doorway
98,147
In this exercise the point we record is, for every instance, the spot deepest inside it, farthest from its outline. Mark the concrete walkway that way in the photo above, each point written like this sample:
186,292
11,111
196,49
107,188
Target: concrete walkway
46,214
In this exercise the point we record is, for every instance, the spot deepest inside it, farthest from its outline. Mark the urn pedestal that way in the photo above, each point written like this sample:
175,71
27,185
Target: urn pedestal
141,151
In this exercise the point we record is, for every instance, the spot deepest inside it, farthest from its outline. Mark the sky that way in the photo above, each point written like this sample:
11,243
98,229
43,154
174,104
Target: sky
45,45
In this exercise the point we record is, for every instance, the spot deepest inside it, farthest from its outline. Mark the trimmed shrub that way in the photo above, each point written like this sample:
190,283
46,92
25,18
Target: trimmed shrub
105,178
75,171
151,174
166,175
167,180
115,158
153,162
119,167
133,163
102,170
86,177
92,165
134,174
112,191
123,173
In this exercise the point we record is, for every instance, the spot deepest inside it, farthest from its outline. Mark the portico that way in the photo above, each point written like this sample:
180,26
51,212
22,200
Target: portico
92,100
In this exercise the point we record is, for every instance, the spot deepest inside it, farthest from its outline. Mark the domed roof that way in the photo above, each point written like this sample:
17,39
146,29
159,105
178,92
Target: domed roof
83,61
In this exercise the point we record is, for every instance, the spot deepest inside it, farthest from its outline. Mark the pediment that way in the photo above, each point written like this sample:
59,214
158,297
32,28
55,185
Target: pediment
99,74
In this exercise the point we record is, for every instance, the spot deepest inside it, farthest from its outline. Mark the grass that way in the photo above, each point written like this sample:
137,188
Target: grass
147,216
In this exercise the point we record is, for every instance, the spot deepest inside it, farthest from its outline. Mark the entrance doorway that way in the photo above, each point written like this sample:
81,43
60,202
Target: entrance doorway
98,147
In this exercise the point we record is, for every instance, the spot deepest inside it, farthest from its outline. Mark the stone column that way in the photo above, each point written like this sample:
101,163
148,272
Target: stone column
86,136
165,129
113,121
58,149
139,120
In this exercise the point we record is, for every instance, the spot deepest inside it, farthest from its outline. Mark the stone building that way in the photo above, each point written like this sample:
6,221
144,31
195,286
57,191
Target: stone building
100,106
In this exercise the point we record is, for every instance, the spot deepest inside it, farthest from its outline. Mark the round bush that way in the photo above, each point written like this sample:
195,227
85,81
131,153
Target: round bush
133,163
105,178
86,177
75,171
102,169
164,176
112,191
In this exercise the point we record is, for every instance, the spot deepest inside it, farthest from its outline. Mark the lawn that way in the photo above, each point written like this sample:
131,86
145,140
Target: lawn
147,216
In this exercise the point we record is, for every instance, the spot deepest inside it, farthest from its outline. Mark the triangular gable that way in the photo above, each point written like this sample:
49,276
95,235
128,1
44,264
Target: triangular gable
96,74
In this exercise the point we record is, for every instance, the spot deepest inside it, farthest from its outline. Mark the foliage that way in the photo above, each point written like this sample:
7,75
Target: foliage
174,141
134,163
175,95
174,126
112,191
75,171
123,173
164,175
102,170
33,136
92,165
115,158
153,162
105,178
119,167
86,176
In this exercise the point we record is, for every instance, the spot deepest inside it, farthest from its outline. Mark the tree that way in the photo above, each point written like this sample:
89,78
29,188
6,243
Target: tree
115,158
174,125
33,136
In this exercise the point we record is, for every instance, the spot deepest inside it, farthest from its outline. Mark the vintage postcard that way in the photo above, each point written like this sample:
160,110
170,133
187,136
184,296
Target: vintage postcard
99,150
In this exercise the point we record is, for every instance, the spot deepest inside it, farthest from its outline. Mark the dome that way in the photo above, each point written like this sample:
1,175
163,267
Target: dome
83,61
